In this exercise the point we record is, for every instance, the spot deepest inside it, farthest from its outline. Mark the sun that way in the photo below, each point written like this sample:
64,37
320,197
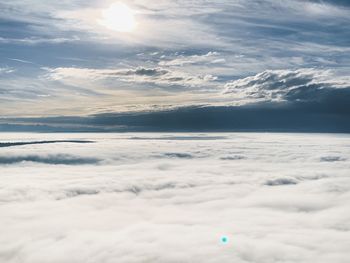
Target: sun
118,17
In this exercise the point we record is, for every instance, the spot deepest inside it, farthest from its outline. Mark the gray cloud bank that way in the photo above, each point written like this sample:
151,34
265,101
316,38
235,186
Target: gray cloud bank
156,76
51,159
309,100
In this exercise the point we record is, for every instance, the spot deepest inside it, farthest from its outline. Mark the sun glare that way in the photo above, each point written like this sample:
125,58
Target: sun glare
118,17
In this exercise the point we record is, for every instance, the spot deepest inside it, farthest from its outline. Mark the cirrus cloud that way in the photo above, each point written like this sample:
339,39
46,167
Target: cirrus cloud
7,70
157,76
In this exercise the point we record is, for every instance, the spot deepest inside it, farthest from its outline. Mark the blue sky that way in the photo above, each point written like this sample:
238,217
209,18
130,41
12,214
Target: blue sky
56,58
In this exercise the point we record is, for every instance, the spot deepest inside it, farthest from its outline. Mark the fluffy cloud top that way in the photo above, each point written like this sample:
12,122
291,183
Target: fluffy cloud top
170,198
289,85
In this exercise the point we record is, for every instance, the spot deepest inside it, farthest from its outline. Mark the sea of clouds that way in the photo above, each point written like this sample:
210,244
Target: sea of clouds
169,198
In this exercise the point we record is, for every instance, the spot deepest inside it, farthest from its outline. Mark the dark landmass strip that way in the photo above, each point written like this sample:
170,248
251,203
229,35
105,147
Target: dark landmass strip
12,144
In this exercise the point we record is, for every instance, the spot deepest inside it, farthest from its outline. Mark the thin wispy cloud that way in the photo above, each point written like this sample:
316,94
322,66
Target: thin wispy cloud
36,40
157,76
7,70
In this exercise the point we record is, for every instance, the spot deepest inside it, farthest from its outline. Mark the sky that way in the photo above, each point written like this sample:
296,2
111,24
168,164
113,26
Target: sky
91,58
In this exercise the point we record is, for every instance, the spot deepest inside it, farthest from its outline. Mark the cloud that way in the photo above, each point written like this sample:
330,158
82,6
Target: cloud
22,61
178,155
133,207
289,85
324,116
208,58
147,72
280,100
157,76
320,8
332,159
342,3
233,158
6,70
281,181
62,159
36,40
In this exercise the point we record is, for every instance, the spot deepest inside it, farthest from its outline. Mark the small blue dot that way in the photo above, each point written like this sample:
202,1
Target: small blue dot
224,239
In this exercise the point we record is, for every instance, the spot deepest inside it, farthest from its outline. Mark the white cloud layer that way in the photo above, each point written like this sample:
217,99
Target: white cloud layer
165,198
